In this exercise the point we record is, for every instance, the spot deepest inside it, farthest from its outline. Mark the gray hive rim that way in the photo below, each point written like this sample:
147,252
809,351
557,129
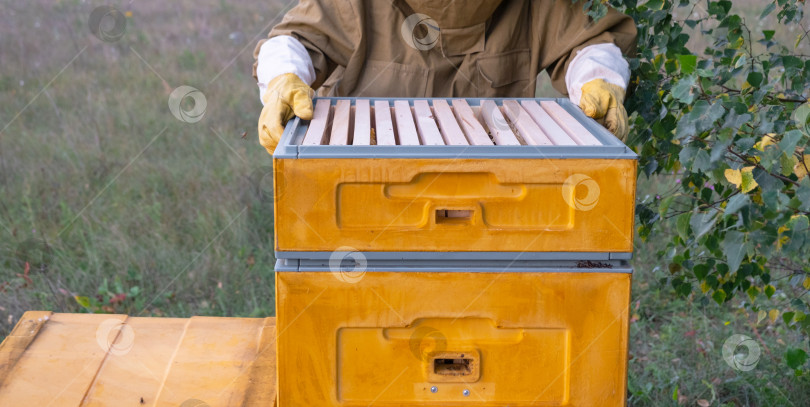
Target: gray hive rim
428,127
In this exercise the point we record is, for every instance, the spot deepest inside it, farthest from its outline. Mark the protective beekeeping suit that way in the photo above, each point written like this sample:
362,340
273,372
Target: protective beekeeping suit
441,48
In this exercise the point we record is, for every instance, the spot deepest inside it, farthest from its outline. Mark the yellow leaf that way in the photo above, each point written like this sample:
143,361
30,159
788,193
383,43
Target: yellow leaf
800,169
766,141
761,315
773,314
706,287
734,177
748,182
83,301
743,179
781,242
806,283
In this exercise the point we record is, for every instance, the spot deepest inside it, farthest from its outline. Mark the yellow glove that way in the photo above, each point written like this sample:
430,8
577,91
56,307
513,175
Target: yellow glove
286,96
604,102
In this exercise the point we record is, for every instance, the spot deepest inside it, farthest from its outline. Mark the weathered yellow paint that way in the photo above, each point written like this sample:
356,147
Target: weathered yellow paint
514,205
104,360
531,338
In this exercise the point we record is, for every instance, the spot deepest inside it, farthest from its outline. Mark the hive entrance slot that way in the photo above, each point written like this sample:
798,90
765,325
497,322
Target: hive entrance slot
453,216
452,367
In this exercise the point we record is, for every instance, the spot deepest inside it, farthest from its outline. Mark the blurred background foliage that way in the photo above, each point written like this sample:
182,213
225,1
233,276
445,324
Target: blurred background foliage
726,116
110,204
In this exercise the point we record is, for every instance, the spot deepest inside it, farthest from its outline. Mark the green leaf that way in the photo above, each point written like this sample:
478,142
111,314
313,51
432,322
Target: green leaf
786,164
790,61
702,223
770,290
663,207
795,358
688,63
719,8
702,161
752,292
734,249
803,193
708,117
755,79
768,10
788,317
701,271
798,224
735,121
741,61
654,4
736,203
687,155
802,116
682,225
719,296
789,141
683,90
768,34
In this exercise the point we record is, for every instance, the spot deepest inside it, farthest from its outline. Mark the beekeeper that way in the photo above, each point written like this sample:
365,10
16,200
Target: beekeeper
442,48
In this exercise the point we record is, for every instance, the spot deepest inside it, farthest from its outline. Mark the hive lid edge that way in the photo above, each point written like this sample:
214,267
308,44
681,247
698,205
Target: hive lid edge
453,255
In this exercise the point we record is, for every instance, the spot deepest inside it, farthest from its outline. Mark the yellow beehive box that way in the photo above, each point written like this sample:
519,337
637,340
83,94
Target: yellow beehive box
443,336
420,177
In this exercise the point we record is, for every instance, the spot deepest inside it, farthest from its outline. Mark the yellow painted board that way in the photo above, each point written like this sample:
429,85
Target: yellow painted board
516,205
60,364
102,360
216,355
137,361
528,338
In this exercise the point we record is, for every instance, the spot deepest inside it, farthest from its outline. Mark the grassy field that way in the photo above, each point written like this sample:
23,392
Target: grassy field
117,206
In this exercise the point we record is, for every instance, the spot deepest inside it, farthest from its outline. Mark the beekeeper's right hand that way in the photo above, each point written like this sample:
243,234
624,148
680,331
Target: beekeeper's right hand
286,96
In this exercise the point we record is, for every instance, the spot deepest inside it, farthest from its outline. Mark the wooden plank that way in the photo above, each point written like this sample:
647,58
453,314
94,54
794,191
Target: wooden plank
384,126
316,133
100,360
575,130
212,362
552,130
262,388
527,128
451,132
428,131
15,344
406,128
498,126
340,123
59,366
362,123
473,129
136,365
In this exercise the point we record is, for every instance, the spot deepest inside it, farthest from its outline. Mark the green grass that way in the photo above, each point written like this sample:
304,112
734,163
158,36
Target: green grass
178,216
97,166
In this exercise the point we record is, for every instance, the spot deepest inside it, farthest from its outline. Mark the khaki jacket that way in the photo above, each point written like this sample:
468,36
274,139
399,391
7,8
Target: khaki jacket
360,48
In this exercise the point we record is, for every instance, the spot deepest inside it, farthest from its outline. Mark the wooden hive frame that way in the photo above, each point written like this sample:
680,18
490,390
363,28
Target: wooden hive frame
436,122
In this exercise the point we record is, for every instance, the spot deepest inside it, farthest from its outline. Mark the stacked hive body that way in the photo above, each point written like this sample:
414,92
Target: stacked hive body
452,252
